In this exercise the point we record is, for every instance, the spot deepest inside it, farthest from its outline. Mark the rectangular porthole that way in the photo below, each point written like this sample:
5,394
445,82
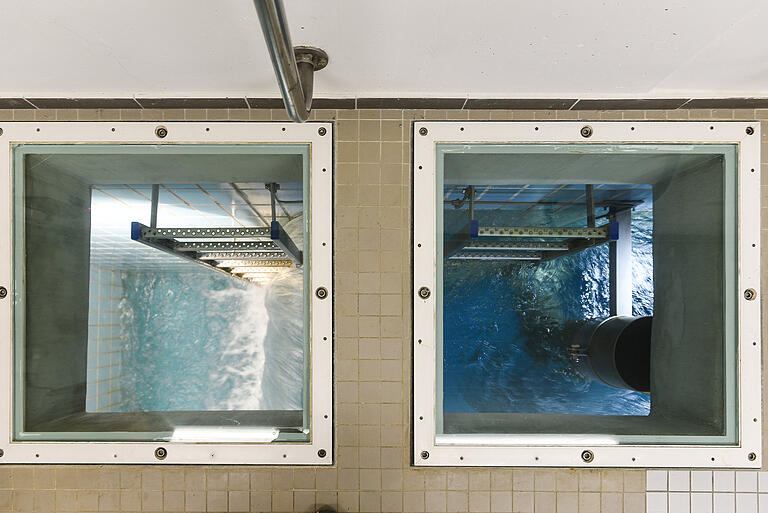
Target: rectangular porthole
586,294
164,293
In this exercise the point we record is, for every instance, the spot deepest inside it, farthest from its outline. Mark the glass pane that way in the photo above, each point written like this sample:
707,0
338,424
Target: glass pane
564,269
164,292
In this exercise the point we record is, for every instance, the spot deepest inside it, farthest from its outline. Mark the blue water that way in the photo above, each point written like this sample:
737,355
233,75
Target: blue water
503,348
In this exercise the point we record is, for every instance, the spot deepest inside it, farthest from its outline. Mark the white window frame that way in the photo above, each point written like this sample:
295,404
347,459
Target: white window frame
535,450
319,450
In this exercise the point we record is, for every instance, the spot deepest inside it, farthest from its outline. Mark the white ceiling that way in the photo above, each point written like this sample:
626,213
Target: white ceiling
388,48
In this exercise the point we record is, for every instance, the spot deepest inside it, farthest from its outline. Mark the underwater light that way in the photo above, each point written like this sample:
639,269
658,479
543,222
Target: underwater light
533,439
223,434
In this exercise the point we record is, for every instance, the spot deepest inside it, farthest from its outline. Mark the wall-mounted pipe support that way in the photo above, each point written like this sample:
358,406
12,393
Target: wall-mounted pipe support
294,67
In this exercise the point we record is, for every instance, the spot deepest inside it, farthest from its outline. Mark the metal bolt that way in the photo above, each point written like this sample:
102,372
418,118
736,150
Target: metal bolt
424,455
750,294
3,292
161,132
750,130
587,456
322,130
321,453
321,292
423,131
751,456
586,131
424,293
161,453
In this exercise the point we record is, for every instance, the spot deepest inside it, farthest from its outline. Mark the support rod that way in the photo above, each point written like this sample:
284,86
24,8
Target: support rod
273,188
155,201
471,202
295,80
590,205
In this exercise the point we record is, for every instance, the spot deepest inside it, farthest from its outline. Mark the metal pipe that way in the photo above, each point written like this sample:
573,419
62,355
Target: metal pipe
295,81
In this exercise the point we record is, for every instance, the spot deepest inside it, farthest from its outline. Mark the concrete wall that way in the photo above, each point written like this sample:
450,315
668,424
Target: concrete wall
57,215
688,293
372,366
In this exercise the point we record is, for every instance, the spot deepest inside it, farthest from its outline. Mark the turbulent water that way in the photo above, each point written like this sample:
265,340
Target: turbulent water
195,339
199,340
502,348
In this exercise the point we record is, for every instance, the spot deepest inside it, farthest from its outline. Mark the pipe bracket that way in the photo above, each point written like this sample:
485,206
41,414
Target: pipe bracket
315,56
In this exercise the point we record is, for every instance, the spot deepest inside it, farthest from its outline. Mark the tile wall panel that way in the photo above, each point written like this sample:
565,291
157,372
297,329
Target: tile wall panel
372,472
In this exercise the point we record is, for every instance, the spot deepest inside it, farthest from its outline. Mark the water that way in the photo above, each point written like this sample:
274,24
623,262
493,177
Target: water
200,340
502,324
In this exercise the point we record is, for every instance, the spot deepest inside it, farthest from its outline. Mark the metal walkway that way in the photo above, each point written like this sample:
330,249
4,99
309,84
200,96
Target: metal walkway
569,240
524,243
247,253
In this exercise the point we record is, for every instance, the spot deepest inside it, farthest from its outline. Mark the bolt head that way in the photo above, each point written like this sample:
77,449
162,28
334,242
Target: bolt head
587,456
1,131
751,456
750,294
3,292
424,455
424,292
586,131
2,453
321,453
161,132
423,131
322,130
750,130
161,453
321,292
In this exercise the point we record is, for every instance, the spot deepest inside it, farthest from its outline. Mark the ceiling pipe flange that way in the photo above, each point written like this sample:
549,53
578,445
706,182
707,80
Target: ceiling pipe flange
315,56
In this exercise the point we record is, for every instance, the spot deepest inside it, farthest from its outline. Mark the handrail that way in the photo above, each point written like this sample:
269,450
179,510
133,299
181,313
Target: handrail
295,80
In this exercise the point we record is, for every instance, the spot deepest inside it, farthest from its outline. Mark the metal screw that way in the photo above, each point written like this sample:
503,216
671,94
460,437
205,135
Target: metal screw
586,131
3,292
751,456
161,453
161,132
423,131
424,293
321,453
750,130
321,292
587,456
750,294
322,130
424,455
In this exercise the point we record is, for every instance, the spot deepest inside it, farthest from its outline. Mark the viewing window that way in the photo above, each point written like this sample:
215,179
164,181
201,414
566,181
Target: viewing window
165,288
594,298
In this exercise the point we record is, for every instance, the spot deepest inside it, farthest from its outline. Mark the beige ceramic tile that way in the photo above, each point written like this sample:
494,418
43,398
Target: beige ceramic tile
372,366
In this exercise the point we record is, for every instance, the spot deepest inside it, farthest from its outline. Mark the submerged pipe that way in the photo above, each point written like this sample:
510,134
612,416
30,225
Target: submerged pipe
294,67
615,351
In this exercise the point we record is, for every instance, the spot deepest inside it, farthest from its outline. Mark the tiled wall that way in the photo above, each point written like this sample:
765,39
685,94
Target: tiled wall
705,491
372,368
105,344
